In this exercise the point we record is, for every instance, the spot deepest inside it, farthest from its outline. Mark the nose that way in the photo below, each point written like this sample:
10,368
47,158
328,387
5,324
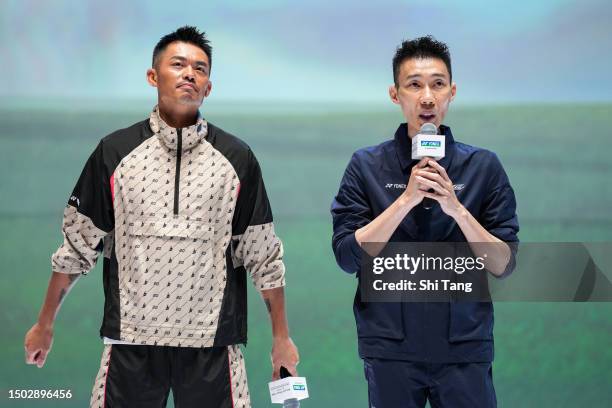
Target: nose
427,99
189,73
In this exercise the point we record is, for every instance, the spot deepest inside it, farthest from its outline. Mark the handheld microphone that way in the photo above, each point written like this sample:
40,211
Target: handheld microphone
288,390
427,143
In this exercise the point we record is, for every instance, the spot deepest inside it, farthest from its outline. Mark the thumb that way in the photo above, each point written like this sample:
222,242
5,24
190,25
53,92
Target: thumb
275,371
41,358
31,355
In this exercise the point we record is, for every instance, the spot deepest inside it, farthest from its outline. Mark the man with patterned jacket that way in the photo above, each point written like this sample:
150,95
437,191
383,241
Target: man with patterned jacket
179,209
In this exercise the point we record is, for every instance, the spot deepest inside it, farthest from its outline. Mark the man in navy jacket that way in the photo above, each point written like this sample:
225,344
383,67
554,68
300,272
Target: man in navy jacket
436,351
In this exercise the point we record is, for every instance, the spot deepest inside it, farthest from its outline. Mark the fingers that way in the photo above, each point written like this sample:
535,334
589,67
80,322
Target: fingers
284,354
433,196
36,357
289,362
422,163
290,367
432,174
422,166
41,358
436,178
431,184
434,164
31,355
294,370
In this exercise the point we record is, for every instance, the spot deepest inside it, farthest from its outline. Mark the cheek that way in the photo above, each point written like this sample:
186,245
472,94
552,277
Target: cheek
168,88
407,101
443,100
409,105
165,80
204,87
446,103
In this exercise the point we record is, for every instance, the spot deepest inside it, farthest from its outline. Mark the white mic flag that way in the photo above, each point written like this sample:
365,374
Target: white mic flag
428,143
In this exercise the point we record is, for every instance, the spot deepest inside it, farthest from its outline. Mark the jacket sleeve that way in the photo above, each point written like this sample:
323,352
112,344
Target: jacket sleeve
350,211
255,245
498,213
88,218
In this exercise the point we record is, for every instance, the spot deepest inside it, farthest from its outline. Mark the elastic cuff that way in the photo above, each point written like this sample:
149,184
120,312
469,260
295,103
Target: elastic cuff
355,247
271,285
69,271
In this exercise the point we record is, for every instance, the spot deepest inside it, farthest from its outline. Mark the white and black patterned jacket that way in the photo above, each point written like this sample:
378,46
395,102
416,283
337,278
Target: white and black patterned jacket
181,215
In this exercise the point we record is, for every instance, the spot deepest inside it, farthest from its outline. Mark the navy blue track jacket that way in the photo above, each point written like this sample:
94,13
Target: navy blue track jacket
375,178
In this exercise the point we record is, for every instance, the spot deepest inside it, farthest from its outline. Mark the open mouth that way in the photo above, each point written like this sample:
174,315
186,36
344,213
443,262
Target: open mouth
427,117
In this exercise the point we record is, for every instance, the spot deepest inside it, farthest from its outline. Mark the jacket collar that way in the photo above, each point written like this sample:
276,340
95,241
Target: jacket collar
190,136
403,146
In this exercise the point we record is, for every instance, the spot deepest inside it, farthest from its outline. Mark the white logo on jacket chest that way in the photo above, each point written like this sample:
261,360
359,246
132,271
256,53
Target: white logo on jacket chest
395,186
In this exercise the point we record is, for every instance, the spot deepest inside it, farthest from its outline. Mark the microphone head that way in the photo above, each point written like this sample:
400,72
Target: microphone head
428,129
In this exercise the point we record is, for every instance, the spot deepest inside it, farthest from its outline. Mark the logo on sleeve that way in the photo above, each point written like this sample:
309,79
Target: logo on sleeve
75,199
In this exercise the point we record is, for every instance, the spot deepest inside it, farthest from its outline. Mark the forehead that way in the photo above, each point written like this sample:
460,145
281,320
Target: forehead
424,67
184,50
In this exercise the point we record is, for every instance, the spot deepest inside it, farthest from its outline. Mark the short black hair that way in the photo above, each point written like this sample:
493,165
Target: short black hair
422,47
187,34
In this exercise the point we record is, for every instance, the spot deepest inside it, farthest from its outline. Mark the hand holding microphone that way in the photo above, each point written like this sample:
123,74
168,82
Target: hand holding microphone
288,390
428,177
415,189
428,144
285,388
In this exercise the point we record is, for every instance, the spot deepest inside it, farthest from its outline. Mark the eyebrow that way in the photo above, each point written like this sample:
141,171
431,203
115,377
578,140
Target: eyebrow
178,57
413,76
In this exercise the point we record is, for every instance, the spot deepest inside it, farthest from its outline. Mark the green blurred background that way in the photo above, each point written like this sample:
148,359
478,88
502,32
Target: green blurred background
304,103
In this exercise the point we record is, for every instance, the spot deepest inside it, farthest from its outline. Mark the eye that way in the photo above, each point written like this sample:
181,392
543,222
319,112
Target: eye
176,64
414,85
439,84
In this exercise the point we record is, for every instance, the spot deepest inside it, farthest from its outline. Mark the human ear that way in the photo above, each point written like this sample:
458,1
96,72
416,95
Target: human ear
152,77
393,94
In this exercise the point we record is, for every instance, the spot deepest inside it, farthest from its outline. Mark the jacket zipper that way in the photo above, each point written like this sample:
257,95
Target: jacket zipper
179,148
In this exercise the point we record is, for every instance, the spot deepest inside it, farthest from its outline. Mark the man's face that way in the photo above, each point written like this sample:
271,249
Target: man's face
181,77
424,92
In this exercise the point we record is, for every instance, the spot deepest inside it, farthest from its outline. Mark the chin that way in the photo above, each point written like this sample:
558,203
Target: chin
189,101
